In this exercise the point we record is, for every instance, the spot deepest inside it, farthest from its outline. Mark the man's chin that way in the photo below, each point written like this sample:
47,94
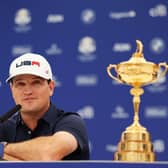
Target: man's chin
28,108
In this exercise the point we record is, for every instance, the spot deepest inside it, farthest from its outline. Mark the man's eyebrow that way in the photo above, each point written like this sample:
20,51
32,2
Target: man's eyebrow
38,78
18,79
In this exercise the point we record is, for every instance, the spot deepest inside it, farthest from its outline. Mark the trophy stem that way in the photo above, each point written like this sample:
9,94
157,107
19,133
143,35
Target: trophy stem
136,92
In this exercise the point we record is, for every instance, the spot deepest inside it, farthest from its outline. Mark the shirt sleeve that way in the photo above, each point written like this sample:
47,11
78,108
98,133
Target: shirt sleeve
75,125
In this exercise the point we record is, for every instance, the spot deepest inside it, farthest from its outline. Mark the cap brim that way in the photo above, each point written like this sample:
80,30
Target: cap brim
29,73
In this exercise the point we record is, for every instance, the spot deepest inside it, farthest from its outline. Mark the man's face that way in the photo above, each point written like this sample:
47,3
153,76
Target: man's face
32,92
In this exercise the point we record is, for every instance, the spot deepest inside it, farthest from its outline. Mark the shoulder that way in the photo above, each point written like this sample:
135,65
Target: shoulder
71,118
71,122
11,121
61,115
8,128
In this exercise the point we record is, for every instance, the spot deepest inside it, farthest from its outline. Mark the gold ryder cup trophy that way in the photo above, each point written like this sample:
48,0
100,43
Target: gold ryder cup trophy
135,144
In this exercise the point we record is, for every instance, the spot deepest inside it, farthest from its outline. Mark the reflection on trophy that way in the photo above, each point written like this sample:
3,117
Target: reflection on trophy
135,144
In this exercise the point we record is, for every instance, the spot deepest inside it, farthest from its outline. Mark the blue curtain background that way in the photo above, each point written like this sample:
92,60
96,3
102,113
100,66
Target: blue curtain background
80,38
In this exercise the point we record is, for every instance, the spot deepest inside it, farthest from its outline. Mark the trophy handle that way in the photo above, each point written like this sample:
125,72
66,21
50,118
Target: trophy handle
110,74
163,64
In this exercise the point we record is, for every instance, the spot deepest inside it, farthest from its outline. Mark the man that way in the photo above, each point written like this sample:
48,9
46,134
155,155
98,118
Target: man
39,131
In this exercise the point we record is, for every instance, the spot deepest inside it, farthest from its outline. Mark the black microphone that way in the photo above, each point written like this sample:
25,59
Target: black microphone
10,113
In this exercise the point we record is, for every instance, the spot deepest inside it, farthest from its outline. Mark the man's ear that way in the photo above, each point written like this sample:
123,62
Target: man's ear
52,87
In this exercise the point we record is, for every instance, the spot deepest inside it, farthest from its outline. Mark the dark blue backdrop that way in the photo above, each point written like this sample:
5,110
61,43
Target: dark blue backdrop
80,38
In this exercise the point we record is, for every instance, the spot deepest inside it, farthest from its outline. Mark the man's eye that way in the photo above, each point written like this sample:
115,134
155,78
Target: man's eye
37,82
19,83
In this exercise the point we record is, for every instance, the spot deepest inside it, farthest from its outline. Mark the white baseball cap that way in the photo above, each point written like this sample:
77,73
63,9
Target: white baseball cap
30,63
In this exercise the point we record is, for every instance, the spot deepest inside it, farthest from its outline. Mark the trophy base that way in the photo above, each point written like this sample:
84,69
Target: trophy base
133,156
135,145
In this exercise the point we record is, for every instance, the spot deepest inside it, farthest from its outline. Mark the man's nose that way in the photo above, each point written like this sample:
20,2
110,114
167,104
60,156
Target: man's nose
27,89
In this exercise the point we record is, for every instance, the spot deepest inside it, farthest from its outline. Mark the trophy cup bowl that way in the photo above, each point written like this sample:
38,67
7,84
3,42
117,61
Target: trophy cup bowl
135,144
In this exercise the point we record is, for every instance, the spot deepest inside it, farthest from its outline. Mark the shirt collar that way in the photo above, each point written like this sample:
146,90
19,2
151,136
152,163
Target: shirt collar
50,116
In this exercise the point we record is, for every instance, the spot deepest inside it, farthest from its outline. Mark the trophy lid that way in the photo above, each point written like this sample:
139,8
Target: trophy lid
137,71
137,57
